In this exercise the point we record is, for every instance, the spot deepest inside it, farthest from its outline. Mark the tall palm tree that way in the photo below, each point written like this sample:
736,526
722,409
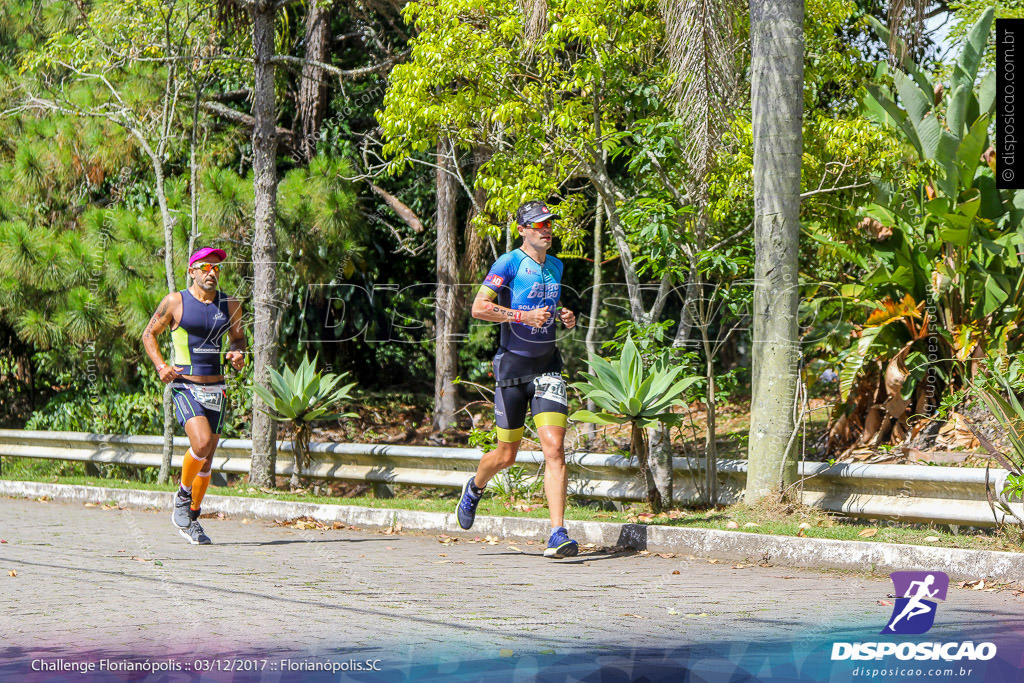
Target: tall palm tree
777,77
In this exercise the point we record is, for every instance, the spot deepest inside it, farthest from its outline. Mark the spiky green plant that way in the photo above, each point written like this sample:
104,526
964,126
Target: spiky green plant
998,388
628,392
301,397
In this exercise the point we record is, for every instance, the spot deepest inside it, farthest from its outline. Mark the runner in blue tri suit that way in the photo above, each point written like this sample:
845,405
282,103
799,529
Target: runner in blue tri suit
522,291
199,317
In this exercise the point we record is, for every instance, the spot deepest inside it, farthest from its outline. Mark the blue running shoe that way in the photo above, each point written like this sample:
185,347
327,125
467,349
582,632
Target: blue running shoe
560,545
466,512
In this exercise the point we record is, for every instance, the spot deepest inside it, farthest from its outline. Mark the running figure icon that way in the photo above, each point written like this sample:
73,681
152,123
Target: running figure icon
914,612
916,606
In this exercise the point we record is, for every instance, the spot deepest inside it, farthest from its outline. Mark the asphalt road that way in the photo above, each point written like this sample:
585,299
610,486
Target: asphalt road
82,583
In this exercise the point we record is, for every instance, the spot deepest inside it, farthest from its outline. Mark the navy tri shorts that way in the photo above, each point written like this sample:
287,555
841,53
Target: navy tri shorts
522,381
192,399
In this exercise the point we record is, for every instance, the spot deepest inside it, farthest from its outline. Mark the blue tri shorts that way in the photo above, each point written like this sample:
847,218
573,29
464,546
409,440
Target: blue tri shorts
192,399
522,381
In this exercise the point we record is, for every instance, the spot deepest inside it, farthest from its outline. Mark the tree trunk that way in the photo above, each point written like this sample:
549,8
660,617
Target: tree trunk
639,448
313,85
659,439
264,247
445,360
777,46
472,258
167,451
589,429
710,444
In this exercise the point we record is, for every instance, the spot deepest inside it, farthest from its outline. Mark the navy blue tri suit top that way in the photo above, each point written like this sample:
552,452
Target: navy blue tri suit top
523,284
198,337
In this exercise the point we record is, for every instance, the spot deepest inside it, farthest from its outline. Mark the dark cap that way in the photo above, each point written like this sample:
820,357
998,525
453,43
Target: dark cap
534,212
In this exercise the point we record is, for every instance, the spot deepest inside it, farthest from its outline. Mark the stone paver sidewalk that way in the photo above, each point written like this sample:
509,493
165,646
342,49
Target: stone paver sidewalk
122,582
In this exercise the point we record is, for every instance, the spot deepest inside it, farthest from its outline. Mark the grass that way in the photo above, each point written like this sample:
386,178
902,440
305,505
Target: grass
766,518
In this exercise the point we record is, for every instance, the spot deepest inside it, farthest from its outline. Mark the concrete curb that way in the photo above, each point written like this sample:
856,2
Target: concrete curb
729,545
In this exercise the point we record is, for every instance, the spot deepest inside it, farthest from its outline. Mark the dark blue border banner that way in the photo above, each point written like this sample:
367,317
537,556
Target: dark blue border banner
1010,104
807,658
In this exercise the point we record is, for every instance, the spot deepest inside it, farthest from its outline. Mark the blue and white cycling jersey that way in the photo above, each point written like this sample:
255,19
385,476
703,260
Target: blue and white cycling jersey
522,284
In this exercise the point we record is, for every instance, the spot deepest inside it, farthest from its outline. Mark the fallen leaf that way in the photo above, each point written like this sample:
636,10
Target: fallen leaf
442,554
732,525
505,653
672,612
801,533
2,541
666,556
750,525
635,616
91,505
738,566
398,527
930,539
247,520
675,571
713,561
644,552
388,547
693,614
980,586
868,533
159,563
586,545
805,525
12,573
645,516
884,603
518,550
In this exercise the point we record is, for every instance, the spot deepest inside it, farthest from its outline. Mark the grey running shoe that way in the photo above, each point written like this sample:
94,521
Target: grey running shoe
194,534
180,515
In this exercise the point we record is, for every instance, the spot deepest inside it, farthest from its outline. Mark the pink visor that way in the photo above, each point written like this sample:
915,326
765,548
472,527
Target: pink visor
204,252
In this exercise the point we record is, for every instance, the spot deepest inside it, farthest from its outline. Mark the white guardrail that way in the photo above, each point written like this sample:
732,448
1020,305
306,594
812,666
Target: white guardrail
912,493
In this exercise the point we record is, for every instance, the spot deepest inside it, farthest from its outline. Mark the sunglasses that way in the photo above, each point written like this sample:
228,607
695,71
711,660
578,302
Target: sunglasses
539,226
207,267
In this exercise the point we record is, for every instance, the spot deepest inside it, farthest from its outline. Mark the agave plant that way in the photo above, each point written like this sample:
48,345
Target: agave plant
628,392
998,390
302,397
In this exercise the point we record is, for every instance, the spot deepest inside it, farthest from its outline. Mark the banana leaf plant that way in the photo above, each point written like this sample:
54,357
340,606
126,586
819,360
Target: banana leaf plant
302,397
629,393
942,282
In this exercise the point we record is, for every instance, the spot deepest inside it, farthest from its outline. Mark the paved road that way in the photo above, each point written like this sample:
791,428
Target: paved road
115,583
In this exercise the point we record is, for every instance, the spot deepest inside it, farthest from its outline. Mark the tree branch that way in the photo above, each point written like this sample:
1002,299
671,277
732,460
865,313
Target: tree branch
403,211
342,74
283,134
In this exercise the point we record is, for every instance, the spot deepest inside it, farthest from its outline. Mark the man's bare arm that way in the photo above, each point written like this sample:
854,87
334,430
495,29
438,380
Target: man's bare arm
163,317
484,308
236,333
